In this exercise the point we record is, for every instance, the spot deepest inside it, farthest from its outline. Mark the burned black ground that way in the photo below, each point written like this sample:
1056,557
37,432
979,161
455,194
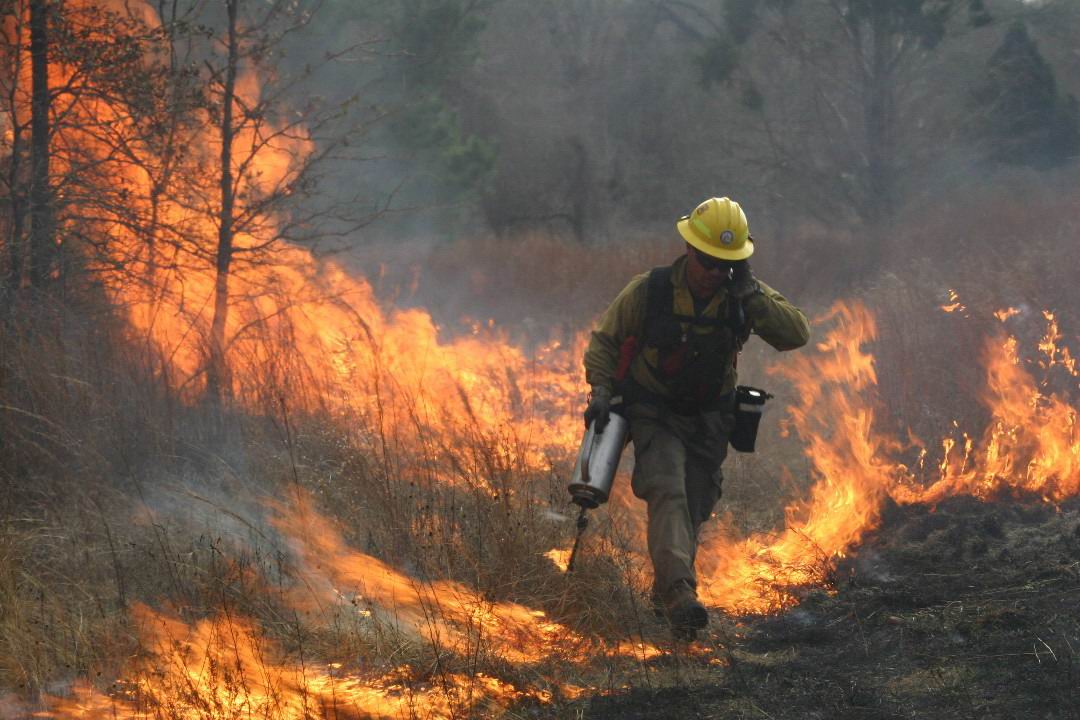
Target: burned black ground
967,610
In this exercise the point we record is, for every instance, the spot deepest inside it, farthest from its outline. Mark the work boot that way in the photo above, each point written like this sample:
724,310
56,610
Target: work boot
685,613
656,602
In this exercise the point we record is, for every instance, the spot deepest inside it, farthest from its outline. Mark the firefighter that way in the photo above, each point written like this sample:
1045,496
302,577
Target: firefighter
667,346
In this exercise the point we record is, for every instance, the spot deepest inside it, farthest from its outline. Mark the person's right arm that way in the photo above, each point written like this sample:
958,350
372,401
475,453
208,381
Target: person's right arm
624,318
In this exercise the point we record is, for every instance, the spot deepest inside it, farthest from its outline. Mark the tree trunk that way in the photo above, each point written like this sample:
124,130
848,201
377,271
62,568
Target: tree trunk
579,184
879,110
42,243
219,385
13,275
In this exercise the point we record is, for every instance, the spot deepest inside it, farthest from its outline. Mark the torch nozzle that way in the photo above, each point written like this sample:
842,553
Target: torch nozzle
582,523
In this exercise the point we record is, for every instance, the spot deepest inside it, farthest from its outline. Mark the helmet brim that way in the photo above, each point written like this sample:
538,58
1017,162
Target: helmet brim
683,226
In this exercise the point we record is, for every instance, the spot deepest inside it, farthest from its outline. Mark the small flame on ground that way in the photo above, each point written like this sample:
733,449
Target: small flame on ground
1050,345
561,558
954,304
1006,313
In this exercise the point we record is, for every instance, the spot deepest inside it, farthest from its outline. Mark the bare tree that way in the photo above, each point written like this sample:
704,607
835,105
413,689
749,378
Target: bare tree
14,30
258,209
165,153
90,71
41,204
217,377
839,95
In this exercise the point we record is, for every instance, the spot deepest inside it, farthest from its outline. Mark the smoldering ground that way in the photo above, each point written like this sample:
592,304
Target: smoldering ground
966,609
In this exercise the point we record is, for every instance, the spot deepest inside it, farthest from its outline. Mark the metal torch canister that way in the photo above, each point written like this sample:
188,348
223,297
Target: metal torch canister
597,460
749,405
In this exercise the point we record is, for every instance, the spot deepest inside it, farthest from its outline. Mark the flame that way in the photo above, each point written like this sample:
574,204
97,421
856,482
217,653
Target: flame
834,418
306,333
298,328
954,303
560,558
1031,446
442,612
224,667
1006,313
1051,347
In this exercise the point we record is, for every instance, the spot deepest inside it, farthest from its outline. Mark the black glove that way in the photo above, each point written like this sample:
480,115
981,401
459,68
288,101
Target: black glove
743,284
599,408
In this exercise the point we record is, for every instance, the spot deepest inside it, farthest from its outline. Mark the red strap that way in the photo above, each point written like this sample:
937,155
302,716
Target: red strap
627,353
671,364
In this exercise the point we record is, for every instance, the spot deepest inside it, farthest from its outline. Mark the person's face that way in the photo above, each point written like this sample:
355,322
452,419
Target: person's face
707,273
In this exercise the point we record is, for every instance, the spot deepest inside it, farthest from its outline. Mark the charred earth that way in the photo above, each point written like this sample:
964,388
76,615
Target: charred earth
969,609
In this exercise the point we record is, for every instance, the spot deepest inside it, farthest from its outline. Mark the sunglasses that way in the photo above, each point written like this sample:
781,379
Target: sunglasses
710,263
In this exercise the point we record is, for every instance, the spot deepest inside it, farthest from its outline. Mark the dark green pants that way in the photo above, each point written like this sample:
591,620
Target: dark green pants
677,473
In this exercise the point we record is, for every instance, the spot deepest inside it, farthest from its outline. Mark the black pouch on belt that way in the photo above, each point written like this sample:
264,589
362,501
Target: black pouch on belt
749,404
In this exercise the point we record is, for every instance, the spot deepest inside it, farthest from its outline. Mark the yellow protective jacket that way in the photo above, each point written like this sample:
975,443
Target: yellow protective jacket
768,315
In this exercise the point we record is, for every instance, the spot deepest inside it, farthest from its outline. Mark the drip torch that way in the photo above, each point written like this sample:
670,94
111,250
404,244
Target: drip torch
594,472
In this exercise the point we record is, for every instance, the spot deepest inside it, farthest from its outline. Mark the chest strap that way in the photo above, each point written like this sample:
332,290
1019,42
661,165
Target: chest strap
660,309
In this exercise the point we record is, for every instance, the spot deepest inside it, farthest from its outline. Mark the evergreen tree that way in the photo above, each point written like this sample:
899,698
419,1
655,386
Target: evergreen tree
436,40
407,76
1023,119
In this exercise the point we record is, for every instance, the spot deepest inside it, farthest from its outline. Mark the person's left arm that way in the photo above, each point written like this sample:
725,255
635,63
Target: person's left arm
775,320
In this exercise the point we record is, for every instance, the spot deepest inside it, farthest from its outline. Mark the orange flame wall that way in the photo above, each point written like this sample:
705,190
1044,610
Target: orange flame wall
1030,446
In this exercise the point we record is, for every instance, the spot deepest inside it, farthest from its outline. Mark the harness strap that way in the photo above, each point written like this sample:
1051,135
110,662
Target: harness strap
660,306
660,297
660,303
662,331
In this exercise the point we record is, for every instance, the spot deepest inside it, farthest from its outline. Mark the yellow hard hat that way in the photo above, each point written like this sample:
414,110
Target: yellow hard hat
718,227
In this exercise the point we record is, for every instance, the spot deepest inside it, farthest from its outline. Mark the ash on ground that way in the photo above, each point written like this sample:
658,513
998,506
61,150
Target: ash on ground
966,610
